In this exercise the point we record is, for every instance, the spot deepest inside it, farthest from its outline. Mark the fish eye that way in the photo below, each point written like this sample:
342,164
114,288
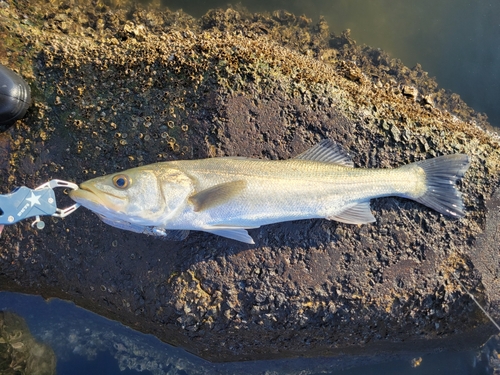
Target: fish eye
121,181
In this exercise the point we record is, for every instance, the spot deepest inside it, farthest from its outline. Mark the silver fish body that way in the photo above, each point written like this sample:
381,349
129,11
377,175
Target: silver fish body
226,196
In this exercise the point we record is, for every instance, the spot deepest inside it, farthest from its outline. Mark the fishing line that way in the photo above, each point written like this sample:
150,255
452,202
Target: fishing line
477,303
453,274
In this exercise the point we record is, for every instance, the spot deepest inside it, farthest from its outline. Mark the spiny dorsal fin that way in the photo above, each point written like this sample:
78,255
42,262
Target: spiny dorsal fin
357,214
327,151
216,195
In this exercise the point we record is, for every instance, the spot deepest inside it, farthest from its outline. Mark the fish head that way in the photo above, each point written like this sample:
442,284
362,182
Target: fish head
142,196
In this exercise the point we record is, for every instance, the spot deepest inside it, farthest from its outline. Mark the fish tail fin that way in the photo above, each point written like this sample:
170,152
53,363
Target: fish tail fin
441,174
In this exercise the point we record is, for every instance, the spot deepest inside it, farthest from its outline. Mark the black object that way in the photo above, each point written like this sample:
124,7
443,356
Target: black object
15,97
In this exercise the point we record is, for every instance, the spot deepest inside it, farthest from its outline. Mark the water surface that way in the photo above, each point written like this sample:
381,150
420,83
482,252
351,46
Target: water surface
86,343
456,41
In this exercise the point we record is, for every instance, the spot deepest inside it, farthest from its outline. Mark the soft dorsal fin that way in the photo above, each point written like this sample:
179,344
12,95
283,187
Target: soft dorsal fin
327,151
360,213
216,195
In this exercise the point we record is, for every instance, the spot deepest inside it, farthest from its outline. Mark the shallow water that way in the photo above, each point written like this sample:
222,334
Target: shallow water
86,343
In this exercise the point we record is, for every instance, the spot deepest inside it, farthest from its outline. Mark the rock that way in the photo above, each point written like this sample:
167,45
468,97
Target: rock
410,91
118,88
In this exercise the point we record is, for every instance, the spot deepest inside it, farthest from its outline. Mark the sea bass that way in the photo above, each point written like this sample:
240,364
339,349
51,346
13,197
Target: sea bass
228,195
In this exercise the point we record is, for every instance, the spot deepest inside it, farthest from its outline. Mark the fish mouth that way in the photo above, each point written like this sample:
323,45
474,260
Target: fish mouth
84,194
92,199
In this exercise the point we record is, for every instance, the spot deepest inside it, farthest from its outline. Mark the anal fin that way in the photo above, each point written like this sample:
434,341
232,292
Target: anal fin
234,233
360,213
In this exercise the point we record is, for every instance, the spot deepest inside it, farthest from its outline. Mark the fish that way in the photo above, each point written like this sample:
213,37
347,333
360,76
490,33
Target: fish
226,196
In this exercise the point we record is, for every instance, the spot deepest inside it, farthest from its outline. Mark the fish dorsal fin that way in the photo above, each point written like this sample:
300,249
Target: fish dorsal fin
327,151
360,213
216,195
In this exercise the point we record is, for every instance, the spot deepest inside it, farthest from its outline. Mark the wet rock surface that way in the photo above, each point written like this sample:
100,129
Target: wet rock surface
118,87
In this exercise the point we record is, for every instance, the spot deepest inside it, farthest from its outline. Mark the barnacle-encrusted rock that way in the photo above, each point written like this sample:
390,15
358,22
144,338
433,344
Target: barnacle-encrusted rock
116,88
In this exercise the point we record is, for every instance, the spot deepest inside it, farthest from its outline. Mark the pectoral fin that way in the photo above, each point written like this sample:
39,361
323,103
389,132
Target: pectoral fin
357,214
216,195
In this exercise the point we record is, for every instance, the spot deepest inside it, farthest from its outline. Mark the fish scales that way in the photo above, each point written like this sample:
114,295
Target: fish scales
291,189
226,196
